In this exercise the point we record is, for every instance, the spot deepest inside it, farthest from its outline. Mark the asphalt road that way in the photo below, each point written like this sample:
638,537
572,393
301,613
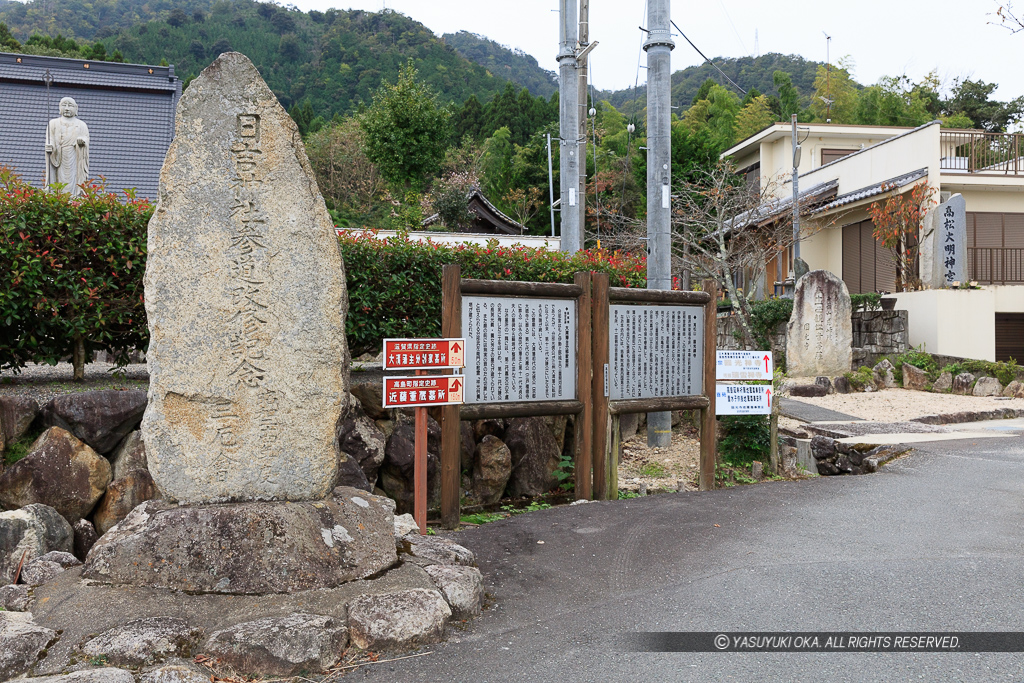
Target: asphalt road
935,541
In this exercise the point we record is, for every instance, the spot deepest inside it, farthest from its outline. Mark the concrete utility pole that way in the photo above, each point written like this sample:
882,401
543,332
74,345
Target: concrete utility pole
659,174
796,199
569,130
581,65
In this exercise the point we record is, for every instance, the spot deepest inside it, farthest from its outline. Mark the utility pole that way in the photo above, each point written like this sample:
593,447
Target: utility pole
796,201
551,188
581,65
569,129
659,177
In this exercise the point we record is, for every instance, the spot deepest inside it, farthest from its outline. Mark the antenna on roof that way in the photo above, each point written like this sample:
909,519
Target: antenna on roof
757,47
828,79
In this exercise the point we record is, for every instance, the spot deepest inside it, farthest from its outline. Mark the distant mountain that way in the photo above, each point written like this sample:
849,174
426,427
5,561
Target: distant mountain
512,65
88,20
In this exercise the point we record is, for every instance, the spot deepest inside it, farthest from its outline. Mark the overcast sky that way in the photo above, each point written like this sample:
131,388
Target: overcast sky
883,37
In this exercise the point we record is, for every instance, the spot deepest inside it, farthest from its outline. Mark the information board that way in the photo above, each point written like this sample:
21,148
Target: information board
655,351
740,365
423,354
743,399
423,390
519,349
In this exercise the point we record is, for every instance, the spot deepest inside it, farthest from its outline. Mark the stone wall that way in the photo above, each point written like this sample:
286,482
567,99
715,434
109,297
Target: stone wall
877,334
729,328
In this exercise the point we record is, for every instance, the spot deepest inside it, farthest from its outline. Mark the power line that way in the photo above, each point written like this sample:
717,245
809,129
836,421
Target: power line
725,75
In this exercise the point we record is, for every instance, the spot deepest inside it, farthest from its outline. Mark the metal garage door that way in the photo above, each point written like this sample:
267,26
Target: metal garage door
1010,336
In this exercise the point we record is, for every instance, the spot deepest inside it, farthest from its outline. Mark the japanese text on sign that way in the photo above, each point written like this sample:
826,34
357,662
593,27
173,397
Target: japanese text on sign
423,353
743,399
519,349
739,365
655,351
405,392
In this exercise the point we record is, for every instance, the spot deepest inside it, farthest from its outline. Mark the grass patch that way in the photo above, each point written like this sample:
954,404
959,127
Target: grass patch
19,449
483,517
653,469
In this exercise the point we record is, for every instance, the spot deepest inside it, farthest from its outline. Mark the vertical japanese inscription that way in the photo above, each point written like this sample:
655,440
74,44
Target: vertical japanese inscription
655,351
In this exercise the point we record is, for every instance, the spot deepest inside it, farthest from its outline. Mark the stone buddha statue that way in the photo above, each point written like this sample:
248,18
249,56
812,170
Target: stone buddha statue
67,149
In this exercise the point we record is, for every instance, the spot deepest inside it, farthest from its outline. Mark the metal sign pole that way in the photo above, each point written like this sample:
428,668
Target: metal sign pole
420,468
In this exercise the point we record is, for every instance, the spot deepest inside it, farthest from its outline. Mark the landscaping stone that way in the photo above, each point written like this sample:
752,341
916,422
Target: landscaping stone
1014,389
30,532
492,468
819,335
15,597
42,569
351,474
808,391
16,415
396,474
85,538
142,642
535,457
22,643
178,672
559,423
962,383
467,443
98,418
462,588
360,438
104,675
885,374
405,524
841,385
494,426
371,396
822,447
944,383
122,496
246,302
988,386
914,378
129,455
59,471
824,382
399,620
280,646
437,550
249,548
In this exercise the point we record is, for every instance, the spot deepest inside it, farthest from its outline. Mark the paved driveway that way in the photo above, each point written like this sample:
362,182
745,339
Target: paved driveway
935,541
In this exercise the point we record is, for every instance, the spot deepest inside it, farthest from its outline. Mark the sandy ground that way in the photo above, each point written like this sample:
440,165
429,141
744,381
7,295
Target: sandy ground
672,469
894,405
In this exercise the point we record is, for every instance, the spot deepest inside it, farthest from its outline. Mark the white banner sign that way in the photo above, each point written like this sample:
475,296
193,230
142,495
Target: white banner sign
519,349
744,365
655,351
743,399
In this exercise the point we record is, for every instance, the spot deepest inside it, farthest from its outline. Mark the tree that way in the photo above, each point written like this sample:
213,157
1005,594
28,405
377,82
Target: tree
1008,19
7,41
406,130
974,100
754,117
350,183
499,155
834,86
894,101
523,202
789,98
898,227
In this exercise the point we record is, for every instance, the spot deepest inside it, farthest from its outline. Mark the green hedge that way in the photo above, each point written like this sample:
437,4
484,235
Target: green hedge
394,285
72,272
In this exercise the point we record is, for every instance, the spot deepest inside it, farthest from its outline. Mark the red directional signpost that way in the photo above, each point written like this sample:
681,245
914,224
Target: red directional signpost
420,392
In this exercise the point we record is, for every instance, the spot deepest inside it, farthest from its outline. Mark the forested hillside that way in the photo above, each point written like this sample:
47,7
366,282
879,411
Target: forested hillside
513,65
88,20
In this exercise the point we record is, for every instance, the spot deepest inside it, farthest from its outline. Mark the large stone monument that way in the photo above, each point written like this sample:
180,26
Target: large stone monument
245,293
819,337
951,218
67,149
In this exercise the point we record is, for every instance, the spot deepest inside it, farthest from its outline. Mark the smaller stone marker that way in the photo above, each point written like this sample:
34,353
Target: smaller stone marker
952,240
819,337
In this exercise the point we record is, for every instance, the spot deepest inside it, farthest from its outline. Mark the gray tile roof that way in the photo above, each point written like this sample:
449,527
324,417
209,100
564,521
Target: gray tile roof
874,189
130,114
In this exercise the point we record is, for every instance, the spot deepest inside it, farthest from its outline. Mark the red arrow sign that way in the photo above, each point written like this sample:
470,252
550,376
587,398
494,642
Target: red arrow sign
455,347
769,392
766,359
423,354
456,385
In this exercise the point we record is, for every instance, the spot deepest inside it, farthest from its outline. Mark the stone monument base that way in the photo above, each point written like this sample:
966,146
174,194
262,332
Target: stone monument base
255,548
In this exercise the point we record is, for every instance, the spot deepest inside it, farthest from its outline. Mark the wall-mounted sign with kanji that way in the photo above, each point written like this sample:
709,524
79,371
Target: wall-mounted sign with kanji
744,365
423,390
743,399
423,354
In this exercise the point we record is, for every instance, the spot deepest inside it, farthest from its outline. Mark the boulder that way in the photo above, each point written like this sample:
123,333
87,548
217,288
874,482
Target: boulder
49,566
30,532
944,383
16,415
495,426
629,423
59,471
142,642
819,335
15,597
462,588
885,374
249,548
99,418
22,643
129,455
988,386
351,474
122,496
492,468
360,438
177,672
467,443
822,447
808,391
396,474
824,382
405,524
1014,389
371,396
535,456
914,378
104,675
841,385
962,383
399,620
85,538
558,424
280,646
437,550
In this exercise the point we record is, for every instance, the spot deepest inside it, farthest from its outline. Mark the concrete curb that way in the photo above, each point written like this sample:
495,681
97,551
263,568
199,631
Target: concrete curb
970,416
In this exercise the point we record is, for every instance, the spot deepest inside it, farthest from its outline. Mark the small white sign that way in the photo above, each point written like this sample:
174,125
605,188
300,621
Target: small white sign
666,197
743,399
572,196
744,365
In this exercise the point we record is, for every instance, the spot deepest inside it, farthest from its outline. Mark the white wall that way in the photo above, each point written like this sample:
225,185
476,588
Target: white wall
957,322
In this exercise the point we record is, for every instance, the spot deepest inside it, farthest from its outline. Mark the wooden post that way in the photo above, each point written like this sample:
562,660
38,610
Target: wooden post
708,431
599,445
451,435
420,468
584,370
773,454
614,450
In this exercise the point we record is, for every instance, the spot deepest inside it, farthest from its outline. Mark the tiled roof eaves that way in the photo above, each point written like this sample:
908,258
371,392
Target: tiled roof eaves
872,190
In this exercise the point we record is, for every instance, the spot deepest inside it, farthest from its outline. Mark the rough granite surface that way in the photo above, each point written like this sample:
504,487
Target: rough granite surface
819,336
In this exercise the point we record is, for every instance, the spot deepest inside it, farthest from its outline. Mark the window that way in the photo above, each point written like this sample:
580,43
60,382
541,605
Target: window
830,155
867,265
1009,336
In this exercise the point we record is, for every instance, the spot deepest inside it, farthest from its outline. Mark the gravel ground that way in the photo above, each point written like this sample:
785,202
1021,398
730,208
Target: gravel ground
894,405
44,382
660,468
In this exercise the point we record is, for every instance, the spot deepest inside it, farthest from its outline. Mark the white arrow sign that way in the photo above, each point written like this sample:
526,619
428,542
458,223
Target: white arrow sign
743,399
744,365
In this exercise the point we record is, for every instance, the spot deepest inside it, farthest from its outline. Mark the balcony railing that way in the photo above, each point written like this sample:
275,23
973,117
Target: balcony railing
971,151
991,266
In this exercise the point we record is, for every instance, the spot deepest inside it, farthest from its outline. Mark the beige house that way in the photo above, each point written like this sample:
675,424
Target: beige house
845,168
